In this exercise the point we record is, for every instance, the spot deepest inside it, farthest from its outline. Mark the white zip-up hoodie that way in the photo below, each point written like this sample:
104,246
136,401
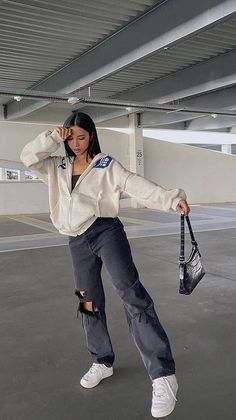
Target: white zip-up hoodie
97,191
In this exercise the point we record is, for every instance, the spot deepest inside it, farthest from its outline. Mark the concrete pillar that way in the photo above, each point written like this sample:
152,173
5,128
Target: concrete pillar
136,150
226,148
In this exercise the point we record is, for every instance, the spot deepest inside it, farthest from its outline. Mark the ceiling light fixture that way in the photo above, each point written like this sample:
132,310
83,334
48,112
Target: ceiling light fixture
73,100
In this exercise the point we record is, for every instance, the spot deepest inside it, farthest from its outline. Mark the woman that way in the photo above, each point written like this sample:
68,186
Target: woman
84,191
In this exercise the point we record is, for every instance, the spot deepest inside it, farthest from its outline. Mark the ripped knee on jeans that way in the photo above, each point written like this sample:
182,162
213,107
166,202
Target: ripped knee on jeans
86,306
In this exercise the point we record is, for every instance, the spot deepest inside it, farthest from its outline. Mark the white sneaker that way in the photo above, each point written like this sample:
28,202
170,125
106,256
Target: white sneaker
164,395
96,373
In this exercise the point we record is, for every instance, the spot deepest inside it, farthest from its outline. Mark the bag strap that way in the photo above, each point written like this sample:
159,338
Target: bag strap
182,236
193,240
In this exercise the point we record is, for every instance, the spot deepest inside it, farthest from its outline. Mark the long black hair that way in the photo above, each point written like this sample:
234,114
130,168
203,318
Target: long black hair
84,121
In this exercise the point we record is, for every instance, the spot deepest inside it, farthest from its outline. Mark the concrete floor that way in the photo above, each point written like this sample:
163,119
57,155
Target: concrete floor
43,352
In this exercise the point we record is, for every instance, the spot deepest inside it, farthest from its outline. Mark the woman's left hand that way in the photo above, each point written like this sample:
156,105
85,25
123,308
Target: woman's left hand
183,207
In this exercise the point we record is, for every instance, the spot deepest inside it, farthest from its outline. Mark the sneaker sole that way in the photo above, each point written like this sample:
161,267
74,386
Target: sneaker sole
88,385
163,413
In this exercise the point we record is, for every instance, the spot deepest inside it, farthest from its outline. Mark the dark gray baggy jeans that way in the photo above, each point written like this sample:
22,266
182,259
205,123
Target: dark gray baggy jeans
105,241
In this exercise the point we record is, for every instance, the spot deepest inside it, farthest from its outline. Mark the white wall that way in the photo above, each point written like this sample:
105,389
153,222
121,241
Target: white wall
23,197
116,144
14,135
190,137
119,122
205,175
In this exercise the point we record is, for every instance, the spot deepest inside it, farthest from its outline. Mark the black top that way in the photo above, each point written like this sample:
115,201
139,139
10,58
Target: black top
74,180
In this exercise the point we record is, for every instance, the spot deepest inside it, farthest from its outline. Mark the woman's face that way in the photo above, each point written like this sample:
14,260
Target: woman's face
79,140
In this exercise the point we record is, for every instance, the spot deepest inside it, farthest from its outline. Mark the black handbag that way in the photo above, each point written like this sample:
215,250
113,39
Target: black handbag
191,271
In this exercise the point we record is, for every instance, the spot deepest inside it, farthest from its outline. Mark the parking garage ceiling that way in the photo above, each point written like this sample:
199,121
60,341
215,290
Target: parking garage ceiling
176,52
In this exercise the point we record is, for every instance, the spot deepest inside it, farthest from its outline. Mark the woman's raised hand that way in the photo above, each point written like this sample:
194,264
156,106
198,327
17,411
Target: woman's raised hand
64,132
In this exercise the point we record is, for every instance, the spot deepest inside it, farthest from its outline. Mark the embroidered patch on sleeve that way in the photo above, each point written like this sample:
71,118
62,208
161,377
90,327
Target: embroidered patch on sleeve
103,163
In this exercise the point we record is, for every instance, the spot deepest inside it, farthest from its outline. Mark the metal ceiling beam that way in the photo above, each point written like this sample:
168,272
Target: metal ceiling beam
208,123
154,119
162,26
216,73
213,74
136,106
202,122
222,98
175,126
1,113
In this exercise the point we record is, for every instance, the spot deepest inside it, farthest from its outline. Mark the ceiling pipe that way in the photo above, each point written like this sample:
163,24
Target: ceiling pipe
113,103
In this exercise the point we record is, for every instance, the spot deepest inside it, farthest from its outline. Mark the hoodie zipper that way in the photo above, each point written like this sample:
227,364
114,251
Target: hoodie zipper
69,174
